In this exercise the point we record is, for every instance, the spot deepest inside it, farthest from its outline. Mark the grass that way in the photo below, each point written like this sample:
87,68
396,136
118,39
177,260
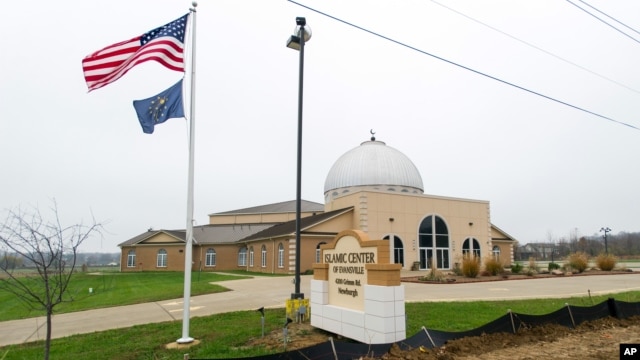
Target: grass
462,316
115,288
224,336
628,260
221,335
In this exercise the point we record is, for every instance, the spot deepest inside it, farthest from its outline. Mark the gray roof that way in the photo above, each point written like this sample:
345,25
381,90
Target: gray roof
220,234
230,233
281,207
289,227
373,163
205,234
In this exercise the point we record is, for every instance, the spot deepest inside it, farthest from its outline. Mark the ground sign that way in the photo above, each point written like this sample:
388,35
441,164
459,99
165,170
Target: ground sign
356,291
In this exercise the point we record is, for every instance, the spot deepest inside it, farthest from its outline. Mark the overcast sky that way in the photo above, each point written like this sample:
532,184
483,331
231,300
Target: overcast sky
547,169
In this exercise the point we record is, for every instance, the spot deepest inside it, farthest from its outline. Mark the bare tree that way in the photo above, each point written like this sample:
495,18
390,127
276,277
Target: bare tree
563,248
550,250
51,249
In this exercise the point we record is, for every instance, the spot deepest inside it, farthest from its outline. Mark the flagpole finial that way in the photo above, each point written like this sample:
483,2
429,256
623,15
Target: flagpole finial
194,3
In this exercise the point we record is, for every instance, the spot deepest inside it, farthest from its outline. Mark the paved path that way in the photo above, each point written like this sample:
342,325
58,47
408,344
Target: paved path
249,294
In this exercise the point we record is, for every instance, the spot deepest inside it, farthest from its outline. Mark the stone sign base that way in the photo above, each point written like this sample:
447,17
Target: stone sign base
382,321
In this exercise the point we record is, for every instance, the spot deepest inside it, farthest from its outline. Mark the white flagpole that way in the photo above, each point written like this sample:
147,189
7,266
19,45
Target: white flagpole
189,230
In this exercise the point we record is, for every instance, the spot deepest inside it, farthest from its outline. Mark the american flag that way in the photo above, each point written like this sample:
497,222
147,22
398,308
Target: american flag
164,45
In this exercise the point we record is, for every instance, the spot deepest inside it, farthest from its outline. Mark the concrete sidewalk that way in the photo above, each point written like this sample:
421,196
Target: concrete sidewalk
251,294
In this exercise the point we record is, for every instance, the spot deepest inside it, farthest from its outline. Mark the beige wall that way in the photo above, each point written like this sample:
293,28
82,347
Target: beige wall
335,225
163,238
268,218
373,211
506,251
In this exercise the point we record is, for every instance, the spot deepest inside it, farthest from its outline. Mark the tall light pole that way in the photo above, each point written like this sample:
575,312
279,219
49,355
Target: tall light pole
606,230
301,34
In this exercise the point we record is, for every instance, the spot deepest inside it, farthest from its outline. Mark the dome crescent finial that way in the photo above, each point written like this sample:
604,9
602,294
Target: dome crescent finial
373,133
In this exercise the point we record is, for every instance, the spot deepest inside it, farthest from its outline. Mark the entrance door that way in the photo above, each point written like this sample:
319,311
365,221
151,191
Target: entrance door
433,239
426,257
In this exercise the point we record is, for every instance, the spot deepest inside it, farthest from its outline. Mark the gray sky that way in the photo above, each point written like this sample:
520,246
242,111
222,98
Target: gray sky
546,168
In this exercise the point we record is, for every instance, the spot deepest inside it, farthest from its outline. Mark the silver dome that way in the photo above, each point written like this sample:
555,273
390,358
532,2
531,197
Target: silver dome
372,164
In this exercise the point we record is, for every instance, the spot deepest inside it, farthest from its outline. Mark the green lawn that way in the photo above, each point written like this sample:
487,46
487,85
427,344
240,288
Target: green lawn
224,336
114,289
462,316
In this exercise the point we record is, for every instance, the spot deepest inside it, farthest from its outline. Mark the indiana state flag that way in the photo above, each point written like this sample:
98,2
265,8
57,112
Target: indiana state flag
160,108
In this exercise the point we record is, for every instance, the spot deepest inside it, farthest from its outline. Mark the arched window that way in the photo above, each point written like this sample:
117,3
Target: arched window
162,258
496,252
131,258
242,256
398,250
210,258
433,243
318,252
263,258
251,256
471,246
280,255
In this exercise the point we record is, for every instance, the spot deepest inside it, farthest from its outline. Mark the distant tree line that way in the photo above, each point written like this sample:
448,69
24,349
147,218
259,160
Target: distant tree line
98,259
13,261
623,244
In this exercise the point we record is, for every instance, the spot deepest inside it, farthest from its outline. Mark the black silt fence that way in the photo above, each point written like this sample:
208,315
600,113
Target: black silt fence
626,309
581,314
569,316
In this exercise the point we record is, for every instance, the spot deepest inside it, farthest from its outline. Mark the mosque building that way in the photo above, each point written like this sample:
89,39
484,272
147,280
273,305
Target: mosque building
373,188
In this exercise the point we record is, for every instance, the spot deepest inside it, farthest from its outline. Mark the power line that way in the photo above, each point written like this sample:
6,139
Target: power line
612,18
536,47
462,66
606,23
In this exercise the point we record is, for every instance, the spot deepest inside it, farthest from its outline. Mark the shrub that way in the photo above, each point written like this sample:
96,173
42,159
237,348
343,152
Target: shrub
554,266
493,266
578,261
470,266
516,268
433,274
457,270
531,272
606,262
